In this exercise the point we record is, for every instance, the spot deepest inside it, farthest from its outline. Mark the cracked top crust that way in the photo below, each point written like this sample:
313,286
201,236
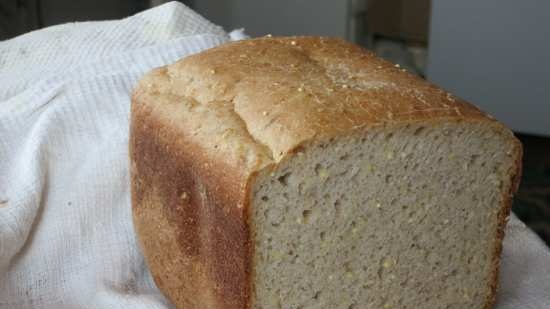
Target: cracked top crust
251,102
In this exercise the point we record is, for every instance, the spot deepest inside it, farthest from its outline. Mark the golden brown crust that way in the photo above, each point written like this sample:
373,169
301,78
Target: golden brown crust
202,127
288,90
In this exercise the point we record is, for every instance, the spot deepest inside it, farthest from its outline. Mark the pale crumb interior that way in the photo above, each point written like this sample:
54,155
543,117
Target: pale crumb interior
395,218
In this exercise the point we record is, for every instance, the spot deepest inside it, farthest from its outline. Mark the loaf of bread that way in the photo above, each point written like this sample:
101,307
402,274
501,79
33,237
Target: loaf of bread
306,173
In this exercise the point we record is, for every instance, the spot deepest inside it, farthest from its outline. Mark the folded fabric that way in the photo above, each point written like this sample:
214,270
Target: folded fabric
66,235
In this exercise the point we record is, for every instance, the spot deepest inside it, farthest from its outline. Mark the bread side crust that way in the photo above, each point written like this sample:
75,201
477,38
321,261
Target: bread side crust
189,215
201,195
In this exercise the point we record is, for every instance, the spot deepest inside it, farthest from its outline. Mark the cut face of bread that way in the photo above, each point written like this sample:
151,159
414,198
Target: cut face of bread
405,217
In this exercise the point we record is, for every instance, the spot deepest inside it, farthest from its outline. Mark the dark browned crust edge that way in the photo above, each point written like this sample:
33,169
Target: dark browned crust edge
503,217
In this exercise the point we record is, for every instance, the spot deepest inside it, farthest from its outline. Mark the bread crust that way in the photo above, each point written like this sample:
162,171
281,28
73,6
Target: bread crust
204,126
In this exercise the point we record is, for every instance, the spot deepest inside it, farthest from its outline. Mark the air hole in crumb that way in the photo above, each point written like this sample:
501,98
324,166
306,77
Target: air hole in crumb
322,235
352,306
388,178
317,295
306,214
344,157
418,130
265,198
389,136
473,159
337,208
284,179
318,168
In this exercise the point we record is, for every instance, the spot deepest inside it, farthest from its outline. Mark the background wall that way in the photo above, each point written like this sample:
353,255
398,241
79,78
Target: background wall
495,53
280,17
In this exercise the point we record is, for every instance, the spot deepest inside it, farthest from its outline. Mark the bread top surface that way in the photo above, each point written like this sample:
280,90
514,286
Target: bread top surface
251,102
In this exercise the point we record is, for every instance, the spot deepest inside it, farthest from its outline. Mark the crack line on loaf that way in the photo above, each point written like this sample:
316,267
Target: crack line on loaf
267,150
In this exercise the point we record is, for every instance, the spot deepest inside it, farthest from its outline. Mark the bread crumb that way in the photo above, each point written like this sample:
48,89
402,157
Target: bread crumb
300,89
345,86
292,42
212,71
264,113
184,196
397,65
387,264
378,205
268,35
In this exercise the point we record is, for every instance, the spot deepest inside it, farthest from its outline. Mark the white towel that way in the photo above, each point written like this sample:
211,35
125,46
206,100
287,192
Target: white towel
66,235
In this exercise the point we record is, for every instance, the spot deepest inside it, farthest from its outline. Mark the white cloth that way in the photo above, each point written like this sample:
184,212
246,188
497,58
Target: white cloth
66,235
